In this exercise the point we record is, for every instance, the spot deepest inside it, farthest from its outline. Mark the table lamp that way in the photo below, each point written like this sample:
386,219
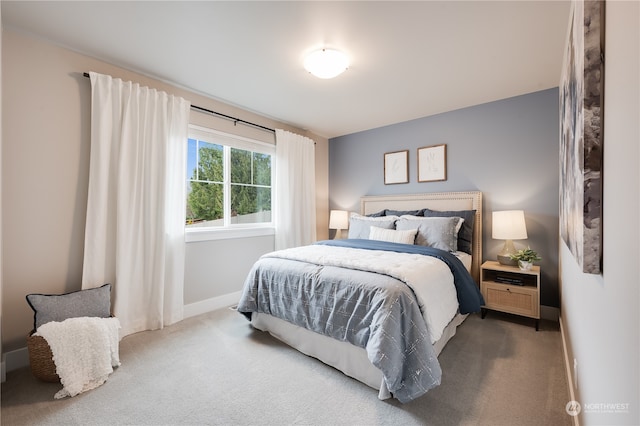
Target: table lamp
508,225
338,220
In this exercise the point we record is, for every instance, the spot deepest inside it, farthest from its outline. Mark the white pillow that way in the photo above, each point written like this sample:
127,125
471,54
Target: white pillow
438,232
360,226
393,236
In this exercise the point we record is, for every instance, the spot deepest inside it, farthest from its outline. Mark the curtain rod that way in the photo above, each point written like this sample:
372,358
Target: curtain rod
219,114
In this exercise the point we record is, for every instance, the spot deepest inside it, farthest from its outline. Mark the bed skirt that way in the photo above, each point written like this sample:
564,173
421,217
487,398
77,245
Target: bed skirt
350,359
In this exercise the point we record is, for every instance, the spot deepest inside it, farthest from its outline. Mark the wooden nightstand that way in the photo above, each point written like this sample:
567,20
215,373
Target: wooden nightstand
510,289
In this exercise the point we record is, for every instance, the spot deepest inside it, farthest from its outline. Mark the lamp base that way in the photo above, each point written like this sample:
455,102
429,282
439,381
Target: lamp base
504,257
507,261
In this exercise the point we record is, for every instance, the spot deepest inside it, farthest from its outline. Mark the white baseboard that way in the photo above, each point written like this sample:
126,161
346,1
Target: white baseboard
569,370
20,357
212,304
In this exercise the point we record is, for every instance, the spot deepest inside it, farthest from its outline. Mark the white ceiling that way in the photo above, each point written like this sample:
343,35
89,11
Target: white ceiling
408,59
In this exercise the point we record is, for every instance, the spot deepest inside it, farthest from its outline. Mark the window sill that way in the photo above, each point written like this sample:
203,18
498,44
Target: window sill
210,234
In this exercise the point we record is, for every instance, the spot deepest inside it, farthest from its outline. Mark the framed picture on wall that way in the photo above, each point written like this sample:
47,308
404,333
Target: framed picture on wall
396,167
432,163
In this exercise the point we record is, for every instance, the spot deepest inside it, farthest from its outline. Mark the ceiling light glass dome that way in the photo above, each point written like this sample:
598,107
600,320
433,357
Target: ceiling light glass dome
326,63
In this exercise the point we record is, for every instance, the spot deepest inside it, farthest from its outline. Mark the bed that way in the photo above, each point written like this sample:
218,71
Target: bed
381,305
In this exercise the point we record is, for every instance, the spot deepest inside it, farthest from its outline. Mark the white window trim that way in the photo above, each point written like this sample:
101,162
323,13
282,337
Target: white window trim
193,235
231,231
236,141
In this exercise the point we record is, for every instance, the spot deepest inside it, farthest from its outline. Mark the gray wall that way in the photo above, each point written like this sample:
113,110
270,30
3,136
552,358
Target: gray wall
507,149
219,267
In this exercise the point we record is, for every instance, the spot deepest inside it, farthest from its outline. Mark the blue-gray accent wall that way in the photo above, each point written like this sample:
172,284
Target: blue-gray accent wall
507,149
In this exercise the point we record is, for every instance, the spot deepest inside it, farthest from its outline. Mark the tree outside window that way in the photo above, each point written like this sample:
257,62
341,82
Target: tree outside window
215,169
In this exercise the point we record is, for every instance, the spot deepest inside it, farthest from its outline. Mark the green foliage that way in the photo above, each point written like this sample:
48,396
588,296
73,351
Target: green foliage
248,169
205,200
526,255
210,166
240,166
261,169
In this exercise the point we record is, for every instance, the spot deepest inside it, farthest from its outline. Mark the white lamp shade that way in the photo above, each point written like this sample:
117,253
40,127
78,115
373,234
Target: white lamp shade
338,219
509,225
326,63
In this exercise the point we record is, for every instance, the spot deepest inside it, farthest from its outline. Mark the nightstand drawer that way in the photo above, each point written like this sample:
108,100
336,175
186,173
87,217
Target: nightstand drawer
513,299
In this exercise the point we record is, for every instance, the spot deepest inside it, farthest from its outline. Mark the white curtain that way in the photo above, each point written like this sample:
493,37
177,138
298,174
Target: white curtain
134,236
295,190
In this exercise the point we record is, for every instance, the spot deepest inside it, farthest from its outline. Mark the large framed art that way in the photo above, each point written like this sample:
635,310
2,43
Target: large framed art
581,135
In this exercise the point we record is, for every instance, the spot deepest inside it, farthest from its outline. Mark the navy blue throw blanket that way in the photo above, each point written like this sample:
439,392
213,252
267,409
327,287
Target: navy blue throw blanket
469,297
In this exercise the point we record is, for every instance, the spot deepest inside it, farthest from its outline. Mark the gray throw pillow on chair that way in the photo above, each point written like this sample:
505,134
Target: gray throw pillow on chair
94,302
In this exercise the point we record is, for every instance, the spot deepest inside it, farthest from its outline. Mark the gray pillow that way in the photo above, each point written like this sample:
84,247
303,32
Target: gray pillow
377,214
437,232
387,212
398,213
465,235
360,226
94,302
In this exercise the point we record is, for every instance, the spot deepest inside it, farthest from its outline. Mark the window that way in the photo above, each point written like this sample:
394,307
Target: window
228,181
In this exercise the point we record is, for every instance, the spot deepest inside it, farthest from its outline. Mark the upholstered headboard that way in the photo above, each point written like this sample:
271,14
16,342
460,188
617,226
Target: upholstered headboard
471,200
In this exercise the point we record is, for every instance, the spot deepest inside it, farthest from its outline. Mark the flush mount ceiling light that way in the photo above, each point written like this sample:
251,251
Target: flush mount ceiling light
326,63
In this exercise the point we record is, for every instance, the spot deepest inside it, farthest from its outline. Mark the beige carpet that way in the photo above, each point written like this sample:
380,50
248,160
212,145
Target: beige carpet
214,369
